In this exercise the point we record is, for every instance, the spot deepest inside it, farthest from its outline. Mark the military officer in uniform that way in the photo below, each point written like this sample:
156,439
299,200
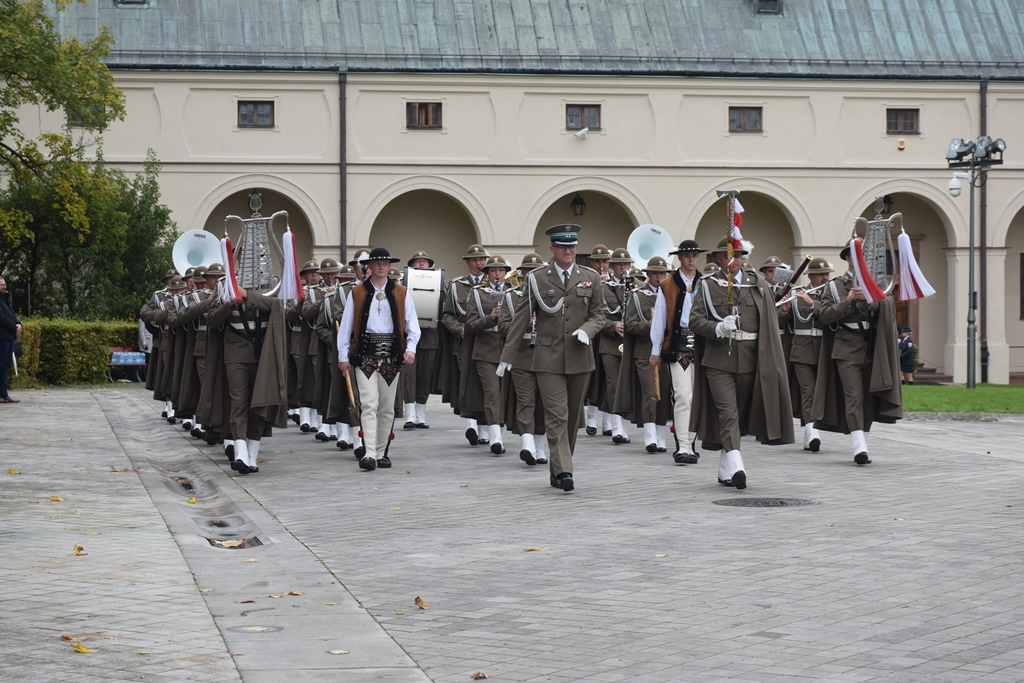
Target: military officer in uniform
858,381
611,339
453,316
672,342
566,301
482,333
420,379
800,318
298,345
148,315
741,383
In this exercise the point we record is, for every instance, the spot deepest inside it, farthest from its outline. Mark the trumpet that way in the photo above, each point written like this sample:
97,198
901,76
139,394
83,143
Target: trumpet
797,290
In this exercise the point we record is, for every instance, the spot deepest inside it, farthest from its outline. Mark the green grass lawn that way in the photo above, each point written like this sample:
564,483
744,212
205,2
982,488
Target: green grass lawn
984,398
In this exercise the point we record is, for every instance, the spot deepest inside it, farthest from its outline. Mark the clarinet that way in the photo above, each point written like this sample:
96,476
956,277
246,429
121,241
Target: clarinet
533,330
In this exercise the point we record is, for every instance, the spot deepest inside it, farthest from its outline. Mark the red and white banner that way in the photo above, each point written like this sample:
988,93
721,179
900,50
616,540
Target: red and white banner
230,292
872,292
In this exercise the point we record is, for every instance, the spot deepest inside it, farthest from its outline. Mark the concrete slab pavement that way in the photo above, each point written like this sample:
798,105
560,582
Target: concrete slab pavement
906,570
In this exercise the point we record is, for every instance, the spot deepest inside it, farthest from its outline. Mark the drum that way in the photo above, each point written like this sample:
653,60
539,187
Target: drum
426,285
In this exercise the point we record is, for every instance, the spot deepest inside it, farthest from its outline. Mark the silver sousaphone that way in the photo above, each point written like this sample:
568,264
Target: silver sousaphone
879,251
254,268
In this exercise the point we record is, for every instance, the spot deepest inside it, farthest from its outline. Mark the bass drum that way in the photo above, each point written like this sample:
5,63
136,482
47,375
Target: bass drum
426,285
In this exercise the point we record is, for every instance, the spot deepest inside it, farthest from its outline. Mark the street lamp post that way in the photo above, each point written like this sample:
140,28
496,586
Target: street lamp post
976,157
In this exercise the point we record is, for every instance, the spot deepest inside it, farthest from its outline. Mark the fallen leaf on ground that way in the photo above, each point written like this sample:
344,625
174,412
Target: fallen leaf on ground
78,647
396,508
33,502
375,489
143,652
897,519
191,501
330,604
92,533
294,593
93,616
250,560
230,544
661,555
421,603
79,549
122,469
532,550
245,602
237,654
274,596
205,590
13,472
337,652
479,676
56,499
70,638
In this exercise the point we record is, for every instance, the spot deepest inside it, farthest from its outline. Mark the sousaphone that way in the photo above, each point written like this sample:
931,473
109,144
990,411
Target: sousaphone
648,241
195,248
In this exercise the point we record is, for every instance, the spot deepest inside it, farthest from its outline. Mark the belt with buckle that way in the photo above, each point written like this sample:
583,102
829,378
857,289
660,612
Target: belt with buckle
812,332
739,335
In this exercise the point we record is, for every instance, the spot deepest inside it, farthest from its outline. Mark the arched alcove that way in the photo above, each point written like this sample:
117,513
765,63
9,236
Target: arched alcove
424,220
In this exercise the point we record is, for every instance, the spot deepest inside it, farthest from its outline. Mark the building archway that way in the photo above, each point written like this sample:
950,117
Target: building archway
424,220
605,221
1013,293
766,224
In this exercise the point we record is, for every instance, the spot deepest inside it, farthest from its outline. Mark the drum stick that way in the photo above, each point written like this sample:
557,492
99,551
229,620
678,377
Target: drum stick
657,382
348,380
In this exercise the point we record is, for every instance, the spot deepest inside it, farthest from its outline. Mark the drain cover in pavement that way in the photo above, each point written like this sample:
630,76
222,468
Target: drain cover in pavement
255,629
235,544
765,502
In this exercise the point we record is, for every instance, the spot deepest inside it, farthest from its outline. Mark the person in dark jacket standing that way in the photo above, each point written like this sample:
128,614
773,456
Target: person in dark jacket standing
10,330
907,360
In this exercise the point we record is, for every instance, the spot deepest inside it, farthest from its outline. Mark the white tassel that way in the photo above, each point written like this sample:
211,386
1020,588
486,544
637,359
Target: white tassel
913,284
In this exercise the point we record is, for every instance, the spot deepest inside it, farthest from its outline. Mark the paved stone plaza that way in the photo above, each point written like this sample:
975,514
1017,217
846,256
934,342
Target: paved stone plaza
908,569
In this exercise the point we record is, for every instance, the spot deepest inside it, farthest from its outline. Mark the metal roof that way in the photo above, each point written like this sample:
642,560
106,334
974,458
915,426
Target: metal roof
890,39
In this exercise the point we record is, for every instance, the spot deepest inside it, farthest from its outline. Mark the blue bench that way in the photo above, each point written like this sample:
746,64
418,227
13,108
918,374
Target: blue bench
124,357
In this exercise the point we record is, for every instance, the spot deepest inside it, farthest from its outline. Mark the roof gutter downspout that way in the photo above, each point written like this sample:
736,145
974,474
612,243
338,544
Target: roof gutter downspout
343,162
983,239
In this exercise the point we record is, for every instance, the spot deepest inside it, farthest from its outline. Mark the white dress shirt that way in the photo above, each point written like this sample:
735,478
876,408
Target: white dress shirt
378,322
660,313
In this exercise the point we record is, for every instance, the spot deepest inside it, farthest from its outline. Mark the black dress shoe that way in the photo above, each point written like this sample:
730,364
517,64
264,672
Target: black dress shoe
163,414
725,482
862,459
497,448
554,484
343,445
254,469
814,446
229,451
591,431
384,463
171,420
320,436
662,449
564,481
409,425
483,442
618,438
739,480
606,432
542,461
471,437
652,448
359,452
186,425
240,467
367,463
196,433
304,427
527,457
422,425
332,437
686,458
294,418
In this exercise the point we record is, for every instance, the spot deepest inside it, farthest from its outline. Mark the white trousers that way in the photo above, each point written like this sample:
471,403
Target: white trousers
377,411
682,395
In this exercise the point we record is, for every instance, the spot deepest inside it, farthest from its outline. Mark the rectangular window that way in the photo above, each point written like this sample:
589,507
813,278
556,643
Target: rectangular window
252,114
580,116
902,121
95,114
769,6
745,120
423,115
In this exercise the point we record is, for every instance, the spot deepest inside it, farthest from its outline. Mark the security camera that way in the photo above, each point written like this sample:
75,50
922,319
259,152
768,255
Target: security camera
955,186
582,133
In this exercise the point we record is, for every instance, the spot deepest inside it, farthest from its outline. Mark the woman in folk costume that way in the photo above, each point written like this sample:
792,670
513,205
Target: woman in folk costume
379,331
740,385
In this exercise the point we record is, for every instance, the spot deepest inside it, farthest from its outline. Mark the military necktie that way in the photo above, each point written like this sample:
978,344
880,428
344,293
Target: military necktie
565,278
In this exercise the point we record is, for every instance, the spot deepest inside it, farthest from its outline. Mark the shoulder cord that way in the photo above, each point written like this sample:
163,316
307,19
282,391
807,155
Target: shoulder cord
540,301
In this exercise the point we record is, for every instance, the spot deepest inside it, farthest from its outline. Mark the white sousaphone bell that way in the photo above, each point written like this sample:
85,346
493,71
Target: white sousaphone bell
648,241
195,248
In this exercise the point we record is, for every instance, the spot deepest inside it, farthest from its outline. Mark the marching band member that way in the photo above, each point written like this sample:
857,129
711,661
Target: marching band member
379,331
595,417
610,341
453,315
483,345
300,369
567,303
525,411
329,270
672,341
740,383
421,378
637,397
859,353
800,318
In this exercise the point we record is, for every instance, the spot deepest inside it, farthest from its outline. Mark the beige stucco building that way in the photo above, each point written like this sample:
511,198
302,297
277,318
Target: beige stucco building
345,153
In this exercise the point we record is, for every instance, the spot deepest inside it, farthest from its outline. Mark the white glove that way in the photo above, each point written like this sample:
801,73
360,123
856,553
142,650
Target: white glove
582,336
502,367
727,325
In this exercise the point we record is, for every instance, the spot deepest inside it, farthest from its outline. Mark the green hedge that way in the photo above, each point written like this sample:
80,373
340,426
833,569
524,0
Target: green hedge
69,351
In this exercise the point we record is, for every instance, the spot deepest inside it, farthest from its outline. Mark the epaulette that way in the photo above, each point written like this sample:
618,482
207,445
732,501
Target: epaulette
589,270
